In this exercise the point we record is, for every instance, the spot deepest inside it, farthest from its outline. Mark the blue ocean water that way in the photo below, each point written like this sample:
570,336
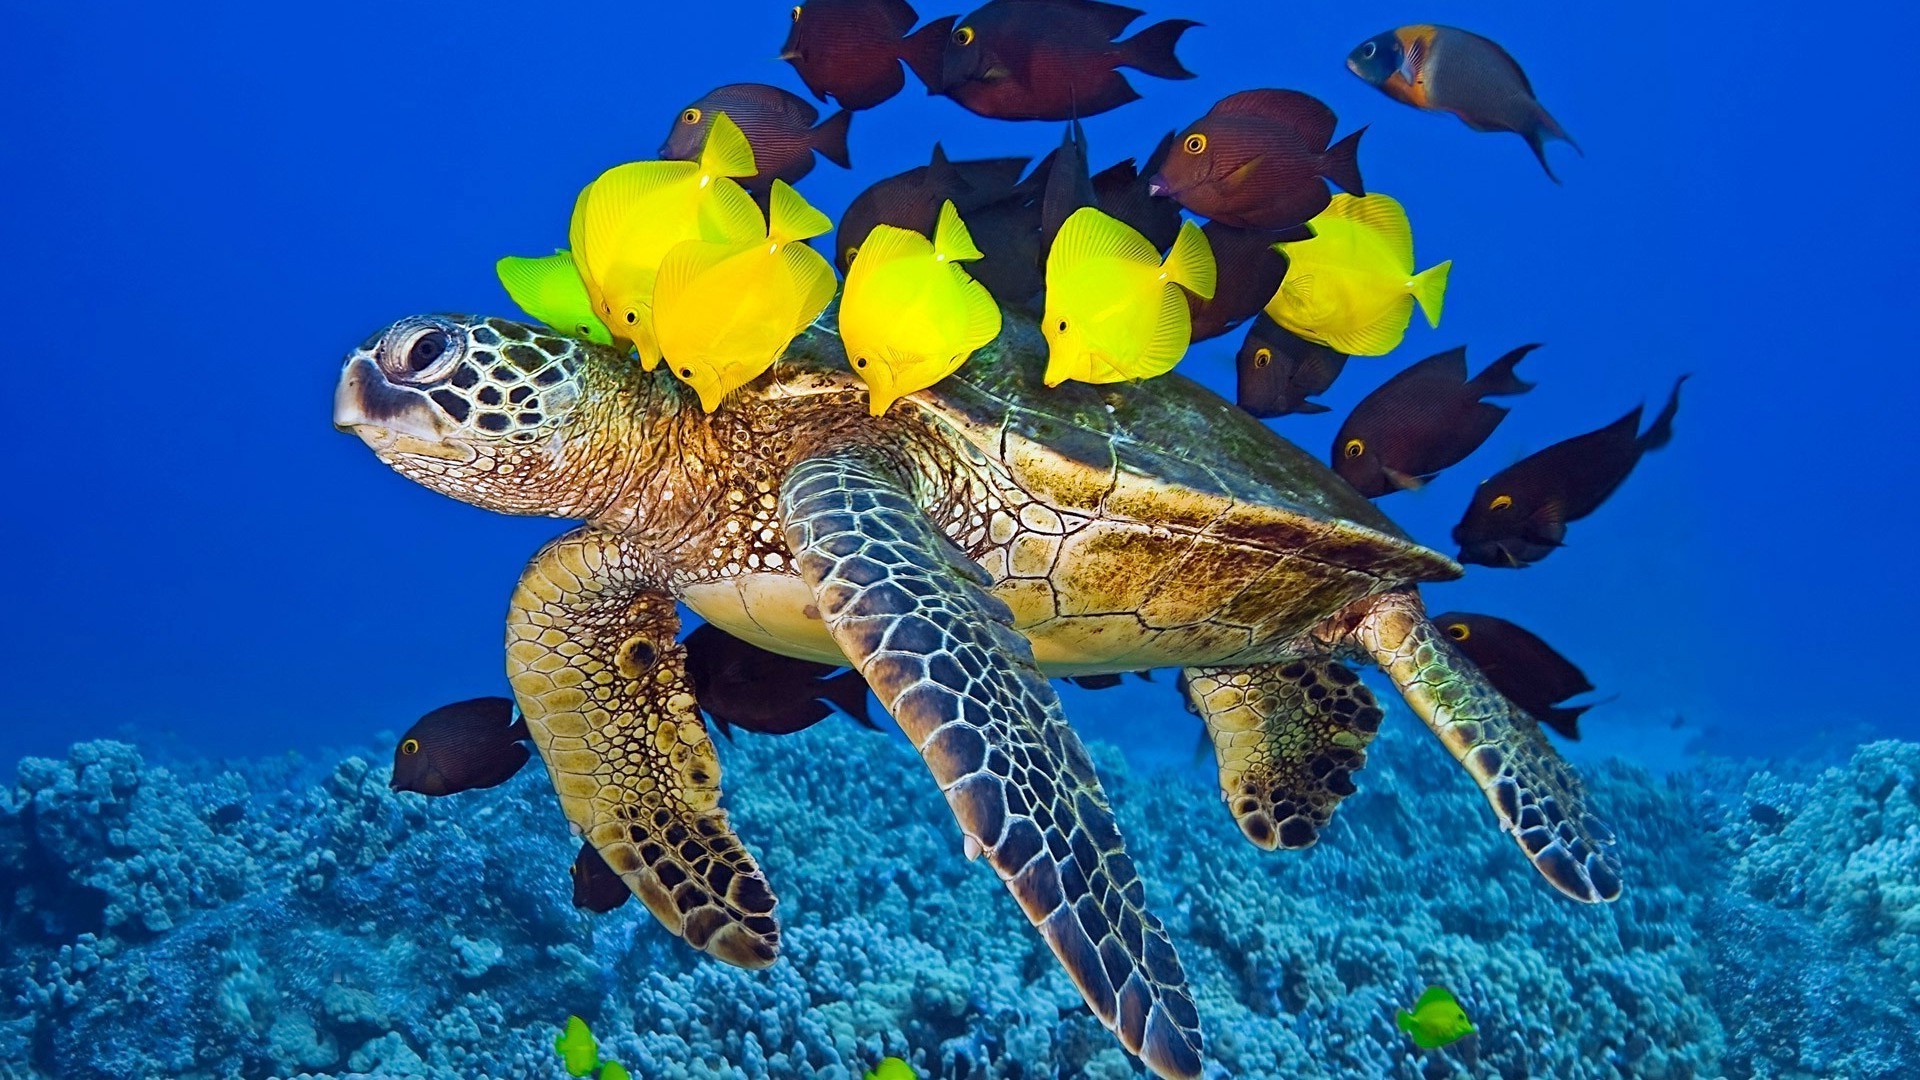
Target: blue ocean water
207,205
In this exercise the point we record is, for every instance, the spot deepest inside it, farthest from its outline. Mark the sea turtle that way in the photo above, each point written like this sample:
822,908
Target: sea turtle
979,538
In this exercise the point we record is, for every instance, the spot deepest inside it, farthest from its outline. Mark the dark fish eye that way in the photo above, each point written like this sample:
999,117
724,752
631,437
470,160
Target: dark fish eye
796,13
853,252
1063,326
1196,143
1366,51
426,350
1355,448
410,747
686,373
1262,357
632,317
1500,502
692,115
860,362
1458,631
963,36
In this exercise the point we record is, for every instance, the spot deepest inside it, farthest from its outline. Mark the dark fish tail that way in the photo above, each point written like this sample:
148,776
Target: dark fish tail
1151,50
848,691
830,138
517,731
1565,719
1341,164
1661,433
1498,379
925,48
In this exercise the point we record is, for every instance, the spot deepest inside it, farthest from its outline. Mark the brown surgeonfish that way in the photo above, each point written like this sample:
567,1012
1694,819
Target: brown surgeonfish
1520,515
912,199
778,125
461,747
1423,420
1053,59
851,50
1446,69
1250,272
1260,159
596,887
1279,370
1525,669
1069,184
744,686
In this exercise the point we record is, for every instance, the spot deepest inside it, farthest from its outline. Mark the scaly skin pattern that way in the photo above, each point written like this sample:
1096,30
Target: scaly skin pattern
1288,737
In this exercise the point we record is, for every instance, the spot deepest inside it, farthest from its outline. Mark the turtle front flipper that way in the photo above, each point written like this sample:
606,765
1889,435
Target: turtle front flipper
1288,738
912,613
1534,791
603,684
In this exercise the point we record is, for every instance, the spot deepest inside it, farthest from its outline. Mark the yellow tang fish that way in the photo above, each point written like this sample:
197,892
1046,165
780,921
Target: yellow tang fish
725,312
1115,312
892,1068
1352,287
550,290
626,221
1436,1020
910,315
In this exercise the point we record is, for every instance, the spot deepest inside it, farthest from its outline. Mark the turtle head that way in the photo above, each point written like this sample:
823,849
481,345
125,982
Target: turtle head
477,409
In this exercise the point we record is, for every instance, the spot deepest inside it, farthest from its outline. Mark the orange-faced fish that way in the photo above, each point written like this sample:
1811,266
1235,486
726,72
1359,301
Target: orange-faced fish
596,887
1251,270
1445,69
742,685
1436,1020
1353,285
1520,515
911,200
1053,59
779,127
1260,159
851,50
911,315
1278,371
549,289
461,747
725,312
1423,420
1124,191
1116,311
1526,670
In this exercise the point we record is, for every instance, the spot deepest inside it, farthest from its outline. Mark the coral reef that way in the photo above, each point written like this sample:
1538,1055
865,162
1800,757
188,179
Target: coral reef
203,920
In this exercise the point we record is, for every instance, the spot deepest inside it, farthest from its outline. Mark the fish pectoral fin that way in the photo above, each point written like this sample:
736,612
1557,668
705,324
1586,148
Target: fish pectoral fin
1403,481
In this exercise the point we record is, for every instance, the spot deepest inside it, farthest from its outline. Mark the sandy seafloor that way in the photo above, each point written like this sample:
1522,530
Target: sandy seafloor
293,917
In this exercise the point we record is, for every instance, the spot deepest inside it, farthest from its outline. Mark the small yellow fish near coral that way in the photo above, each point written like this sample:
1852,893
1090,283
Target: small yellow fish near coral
724,312
1115,311
577,1049
550,290
1436,1020
891,1068
627,220
1352,287
910,316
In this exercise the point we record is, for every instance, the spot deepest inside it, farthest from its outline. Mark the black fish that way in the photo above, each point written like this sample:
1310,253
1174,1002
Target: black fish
1124,192
461,747
1008,235
596,887
1520,515
1522,667
745,686
1053,59
1259,160
778,125
851,49
1105,682
1069,185
1250,271
1423,420
1280,370
912,199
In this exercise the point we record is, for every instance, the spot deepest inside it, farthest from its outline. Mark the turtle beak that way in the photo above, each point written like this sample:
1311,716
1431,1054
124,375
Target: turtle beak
392,419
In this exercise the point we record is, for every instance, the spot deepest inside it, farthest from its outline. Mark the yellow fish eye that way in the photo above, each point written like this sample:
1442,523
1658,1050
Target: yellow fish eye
1458,631
1262,357
1063,326
410,747
1196,143
686,373
632,317
796,13
1355,448
860,362
963,36
1500,502
692,116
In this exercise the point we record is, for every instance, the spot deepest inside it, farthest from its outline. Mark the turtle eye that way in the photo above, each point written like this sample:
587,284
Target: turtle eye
1458,631
423,352
1354,448
963,36
1500,502
1196,143
410,747
1262,357
796,13
693,114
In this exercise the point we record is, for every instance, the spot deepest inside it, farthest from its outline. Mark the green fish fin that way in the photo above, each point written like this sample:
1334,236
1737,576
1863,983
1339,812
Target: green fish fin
814,283
1430,289
530,281
1172,334
1433,994
1089,235
791,217
727,152
613,1070
1383,218
951,240
983,313
1190,264
1381,336
1405,1021
728,215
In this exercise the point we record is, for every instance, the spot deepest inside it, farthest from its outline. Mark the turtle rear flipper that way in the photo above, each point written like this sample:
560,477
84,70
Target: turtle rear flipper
1288,738
1534,791
606,695
912,613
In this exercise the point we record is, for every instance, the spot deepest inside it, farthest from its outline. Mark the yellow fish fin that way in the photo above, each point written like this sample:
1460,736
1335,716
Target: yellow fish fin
1378,338
887,243
618,202
813,282
1430,289
951,240
983,313
728,215
679,273
1190,264
791,217
577,239
1172,334
1090,234
1381,217
727,152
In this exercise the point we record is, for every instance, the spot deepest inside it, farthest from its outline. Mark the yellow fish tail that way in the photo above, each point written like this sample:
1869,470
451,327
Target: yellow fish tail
727,152
1190,264
1430,289
951,240
791,218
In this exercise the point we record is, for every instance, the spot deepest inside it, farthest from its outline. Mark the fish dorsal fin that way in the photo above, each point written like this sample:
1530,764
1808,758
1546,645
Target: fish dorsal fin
1112,17
1382,217
983,312
1190,264
1306,113
531,282
941,174
617,203
683,266
728,215
727,153
951,240
1089,234
814,283
1435,995
889,242
791,217
577,232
